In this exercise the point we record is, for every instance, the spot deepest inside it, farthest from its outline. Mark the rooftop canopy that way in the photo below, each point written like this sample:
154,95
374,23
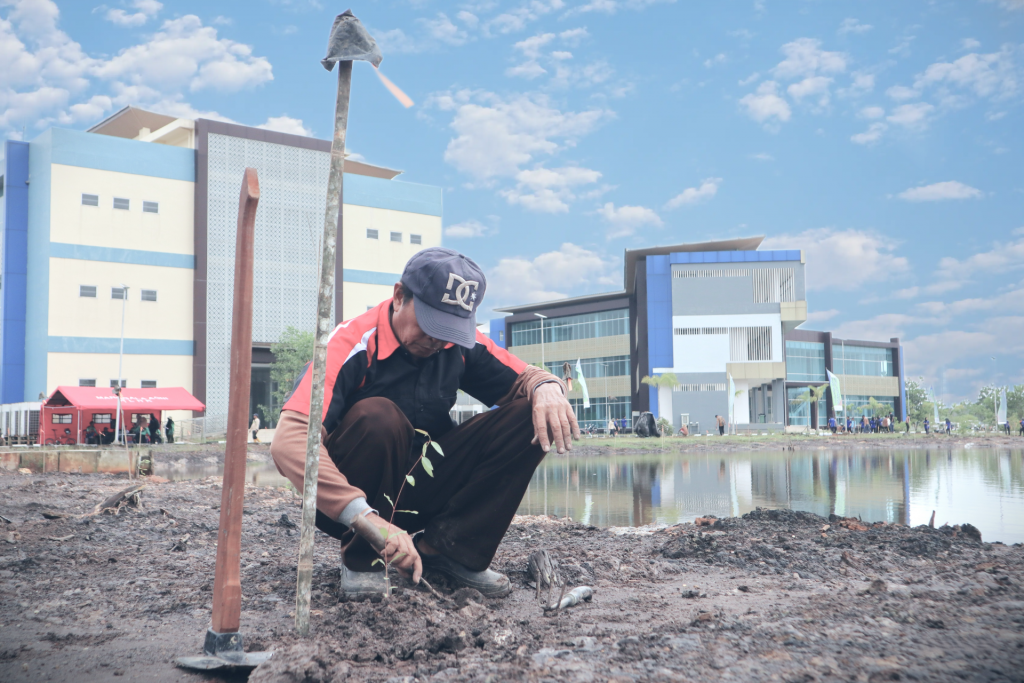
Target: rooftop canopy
97,398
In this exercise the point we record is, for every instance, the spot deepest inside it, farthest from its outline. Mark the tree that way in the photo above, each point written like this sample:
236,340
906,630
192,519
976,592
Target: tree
291,354
667,380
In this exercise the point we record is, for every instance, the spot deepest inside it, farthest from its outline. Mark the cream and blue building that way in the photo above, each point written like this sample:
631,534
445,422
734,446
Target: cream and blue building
140,211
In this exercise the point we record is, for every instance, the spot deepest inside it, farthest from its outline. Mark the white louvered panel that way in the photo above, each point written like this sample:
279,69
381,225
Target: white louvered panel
748,344
289,223
774,285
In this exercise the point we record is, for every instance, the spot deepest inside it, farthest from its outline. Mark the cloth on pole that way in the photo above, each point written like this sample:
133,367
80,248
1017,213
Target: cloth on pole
350,41
732,399
1002,407
583,384
935,408
837,393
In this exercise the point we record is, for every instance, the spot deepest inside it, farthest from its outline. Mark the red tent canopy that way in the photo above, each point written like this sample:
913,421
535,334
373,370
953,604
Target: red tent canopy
141,400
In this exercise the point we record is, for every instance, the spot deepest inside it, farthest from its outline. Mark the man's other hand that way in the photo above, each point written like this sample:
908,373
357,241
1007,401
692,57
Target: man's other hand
398,543
553,419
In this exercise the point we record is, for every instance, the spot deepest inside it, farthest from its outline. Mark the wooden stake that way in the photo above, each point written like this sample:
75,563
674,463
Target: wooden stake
325,303
227,586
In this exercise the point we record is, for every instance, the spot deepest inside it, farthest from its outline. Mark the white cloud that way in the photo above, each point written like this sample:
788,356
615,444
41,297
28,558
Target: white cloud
872,113
812,86
286,124
518,18
549,190
573,36
625,220
843,259
762,156
495,136
872,135
561,55
1001,258
804,57
531,46
529,70
716,60
992,75
742,33
147,10
880,328
911,115
969,44
851,25
468,229
765,104
468,18
901,93
694,195
861,85
551,275
92,110
749,79
950,189
442,29
1011,5
821,316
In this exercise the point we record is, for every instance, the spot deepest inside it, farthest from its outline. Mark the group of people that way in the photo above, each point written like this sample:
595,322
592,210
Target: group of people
928,425
866,425
143,430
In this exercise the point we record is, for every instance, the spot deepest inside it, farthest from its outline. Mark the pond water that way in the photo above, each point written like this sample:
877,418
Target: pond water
982,486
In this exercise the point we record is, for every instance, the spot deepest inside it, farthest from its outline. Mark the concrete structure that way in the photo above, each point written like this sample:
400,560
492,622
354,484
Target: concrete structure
149,201
721,317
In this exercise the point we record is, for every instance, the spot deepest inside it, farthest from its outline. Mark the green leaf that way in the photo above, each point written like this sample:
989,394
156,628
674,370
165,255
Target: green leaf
428,466
437,447
376,562
423,432
384,532
400,532
423,451
409,478
389,500
411,512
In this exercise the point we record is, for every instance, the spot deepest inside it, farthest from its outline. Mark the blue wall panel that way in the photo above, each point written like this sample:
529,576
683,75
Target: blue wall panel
37,277
659,318
155,347
107,153
14,222
84,252
371,277
497,333
735,256
363,190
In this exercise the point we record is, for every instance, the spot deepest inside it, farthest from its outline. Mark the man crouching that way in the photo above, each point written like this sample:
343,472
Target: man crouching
396,369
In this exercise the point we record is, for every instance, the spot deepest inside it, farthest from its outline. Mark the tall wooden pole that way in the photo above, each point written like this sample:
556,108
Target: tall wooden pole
227,586
325,303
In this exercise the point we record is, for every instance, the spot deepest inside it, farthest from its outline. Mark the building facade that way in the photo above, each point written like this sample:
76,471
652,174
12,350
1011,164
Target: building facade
714,329
149,202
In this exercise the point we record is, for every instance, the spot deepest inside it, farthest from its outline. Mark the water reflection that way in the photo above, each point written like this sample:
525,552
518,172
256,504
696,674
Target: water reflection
982,486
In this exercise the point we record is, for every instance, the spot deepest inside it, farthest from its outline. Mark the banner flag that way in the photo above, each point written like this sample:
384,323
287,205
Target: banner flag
837,393
1002,407
732,399
583,384
935,406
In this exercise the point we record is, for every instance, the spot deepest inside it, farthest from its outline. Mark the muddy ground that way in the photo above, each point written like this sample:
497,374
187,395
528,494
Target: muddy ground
769,596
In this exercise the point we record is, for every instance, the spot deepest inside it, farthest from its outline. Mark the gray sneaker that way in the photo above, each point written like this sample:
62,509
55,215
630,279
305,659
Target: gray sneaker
490,583
361,584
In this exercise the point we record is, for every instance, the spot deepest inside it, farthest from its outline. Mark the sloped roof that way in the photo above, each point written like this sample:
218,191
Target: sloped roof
99,398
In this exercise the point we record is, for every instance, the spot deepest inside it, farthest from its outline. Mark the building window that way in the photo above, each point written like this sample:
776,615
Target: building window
102,418
501,335
800,407
113,383
602,409
606,366
701,386
149,384
90,200
569,328
415,239
872,406
868,361
683,331
705,273
87,290
149,295
61,418
86,382
1,186
117,292
396,237
748,344
805,362
150,207
121,203
371,234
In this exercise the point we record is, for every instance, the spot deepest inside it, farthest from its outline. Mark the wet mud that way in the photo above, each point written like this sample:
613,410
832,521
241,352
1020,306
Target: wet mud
774,595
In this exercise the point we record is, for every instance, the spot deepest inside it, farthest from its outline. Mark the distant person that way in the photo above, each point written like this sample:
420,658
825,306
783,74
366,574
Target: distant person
849,425
892,423
863,424
107,437
255,427
169,430
1007,426
1022,426
154,429
906,423
885,424
832,424
612,429
949,426
926,425
91,436
683,431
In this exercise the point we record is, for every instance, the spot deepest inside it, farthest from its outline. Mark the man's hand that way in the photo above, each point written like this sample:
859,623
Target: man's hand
553,419
399,548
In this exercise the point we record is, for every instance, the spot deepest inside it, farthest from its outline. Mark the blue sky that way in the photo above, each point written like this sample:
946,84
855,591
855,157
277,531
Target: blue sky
884,139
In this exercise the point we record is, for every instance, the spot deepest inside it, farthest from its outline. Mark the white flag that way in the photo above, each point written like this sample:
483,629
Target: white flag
1002,407
583,384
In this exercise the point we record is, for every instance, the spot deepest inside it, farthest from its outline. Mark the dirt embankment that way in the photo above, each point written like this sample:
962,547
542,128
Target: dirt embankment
770,596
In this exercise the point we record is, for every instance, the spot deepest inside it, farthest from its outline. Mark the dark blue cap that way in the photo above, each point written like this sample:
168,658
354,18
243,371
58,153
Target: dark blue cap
447,288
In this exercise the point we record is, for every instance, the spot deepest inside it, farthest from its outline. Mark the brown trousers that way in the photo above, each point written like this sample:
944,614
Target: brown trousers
466,507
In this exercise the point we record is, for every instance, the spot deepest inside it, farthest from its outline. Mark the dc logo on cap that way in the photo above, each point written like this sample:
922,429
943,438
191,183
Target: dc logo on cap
461,292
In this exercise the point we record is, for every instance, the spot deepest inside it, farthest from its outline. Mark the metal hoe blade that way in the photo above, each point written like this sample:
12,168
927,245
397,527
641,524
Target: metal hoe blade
350,41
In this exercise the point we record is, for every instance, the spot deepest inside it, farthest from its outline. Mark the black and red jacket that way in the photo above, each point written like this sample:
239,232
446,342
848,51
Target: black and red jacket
365,359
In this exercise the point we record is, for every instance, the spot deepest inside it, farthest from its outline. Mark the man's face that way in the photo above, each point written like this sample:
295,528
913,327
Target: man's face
403,321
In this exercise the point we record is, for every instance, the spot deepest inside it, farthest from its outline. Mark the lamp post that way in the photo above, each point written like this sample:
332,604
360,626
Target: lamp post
542,319
120,362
